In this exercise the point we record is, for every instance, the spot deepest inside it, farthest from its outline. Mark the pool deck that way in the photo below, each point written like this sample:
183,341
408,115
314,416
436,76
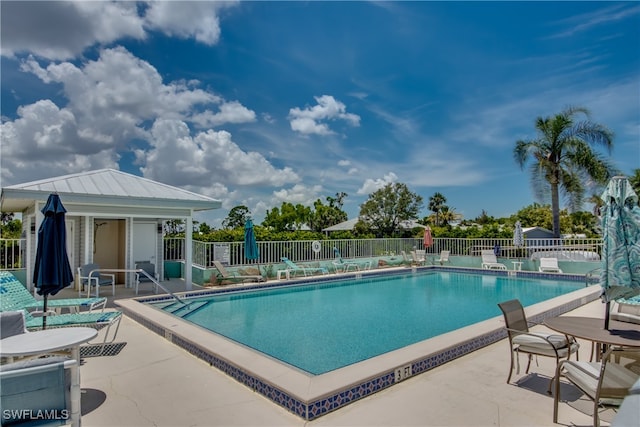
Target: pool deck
152,382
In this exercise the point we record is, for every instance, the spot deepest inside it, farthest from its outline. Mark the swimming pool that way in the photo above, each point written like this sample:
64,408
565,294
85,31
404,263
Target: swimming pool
311,396
322,327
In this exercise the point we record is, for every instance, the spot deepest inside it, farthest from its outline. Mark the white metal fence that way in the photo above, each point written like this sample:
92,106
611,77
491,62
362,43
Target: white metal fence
232,253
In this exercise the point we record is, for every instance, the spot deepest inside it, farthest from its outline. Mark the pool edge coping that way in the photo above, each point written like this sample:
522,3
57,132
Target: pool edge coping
310,396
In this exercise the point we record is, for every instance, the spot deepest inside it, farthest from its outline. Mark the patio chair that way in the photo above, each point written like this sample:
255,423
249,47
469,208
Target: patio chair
549,265
444,257
89,275
490,261
606,382
146,275
294,268
627,311
342,265
419,257
38,388
12,323
11,287
521,340
225,275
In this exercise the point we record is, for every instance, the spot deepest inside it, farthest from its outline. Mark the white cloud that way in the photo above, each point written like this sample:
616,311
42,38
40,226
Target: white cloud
230,112
371,185
197,19
298,194
309,120
205,159
66,28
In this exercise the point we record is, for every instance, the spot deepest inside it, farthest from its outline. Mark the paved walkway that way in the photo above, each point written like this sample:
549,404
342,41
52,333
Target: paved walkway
154,383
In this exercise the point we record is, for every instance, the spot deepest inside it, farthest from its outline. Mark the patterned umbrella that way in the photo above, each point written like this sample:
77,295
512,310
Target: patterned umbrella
52,271
620,276
251,250
428,239
518,236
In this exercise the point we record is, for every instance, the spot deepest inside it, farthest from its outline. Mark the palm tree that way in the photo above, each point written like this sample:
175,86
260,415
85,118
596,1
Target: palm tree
563,158
436,203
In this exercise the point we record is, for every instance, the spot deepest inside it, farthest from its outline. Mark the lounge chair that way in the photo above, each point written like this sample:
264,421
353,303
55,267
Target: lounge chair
444,257
490,261
294,268
225,275
146,274
342,265
90,275
606,382
549,265
521,340
419,257
92,319
11,286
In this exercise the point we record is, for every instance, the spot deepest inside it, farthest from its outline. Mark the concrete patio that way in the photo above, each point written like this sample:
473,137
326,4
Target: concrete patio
152,382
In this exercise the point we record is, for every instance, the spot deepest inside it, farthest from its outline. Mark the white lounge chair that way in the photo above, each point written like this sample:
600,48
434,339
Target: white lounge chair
490,261
549,265
444,257
234,278
419,257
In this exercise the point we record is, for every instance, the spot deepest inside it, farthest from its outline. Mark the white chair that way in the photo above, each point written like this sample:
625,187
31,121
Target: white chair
444,257
490,261
549,265
90,275
419,256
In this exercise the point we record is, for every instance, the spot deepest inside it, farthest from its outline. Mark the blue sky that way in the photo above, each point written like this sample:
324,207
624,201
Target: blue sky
256,103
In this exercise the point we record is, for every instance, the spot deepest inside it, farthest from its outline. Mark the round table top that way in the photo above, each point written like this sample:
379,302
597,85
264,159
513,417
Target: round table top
45,341
592,329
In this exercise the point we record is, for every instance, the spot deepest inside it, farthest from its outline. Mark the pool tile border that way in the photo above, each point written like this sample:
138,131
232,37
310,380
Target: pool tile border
314,408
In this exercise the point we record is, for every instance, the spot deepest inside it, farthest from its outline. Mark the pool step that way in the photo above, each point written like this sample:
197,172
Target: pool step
182,310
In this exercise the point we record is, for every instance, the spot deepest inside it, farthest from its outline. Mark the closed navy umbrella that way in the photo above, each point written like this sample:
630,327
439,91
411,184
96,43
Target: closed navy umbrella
52,271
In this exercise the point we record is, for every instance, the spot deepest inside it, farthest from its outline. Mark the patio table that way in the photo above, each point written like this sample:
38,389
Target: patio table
48,341
592,329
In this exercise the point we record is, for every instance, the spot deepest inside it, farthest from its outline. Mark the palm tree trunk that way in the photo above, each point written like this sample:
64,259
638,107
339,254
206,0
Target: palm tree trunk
555,210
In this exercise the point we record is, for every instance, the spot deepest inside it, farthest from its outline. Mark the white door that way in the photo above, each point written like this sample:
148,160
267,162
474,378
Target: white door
145,241
71,238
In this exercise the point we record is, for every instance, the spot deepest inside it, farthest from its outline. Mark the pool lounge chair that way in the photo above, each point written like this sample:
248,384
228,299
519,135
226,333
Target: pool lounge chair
549,265
93,319
444,257
14,292
225,275
307,271
342,265
490,262
418,257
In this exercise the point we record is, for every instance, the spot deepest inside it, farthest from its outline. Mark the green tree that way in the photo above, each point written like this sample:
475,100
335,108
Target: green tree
563,158
387,207
325,216
436,203
237,217
288,218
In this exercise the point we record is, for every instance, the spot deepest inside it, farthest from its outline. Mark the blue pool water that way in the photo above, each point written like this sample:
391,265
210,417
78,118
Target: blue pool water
322,327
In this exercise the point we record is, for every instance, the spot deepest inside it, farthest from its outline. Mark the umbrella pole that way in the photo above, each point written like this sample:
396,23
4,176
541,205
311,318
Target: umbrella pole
607,311
44,315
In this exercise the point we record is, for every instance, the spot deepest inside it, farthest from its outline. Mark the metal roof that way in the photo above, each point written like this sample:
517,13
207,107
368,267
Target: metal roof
104,187
351,223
